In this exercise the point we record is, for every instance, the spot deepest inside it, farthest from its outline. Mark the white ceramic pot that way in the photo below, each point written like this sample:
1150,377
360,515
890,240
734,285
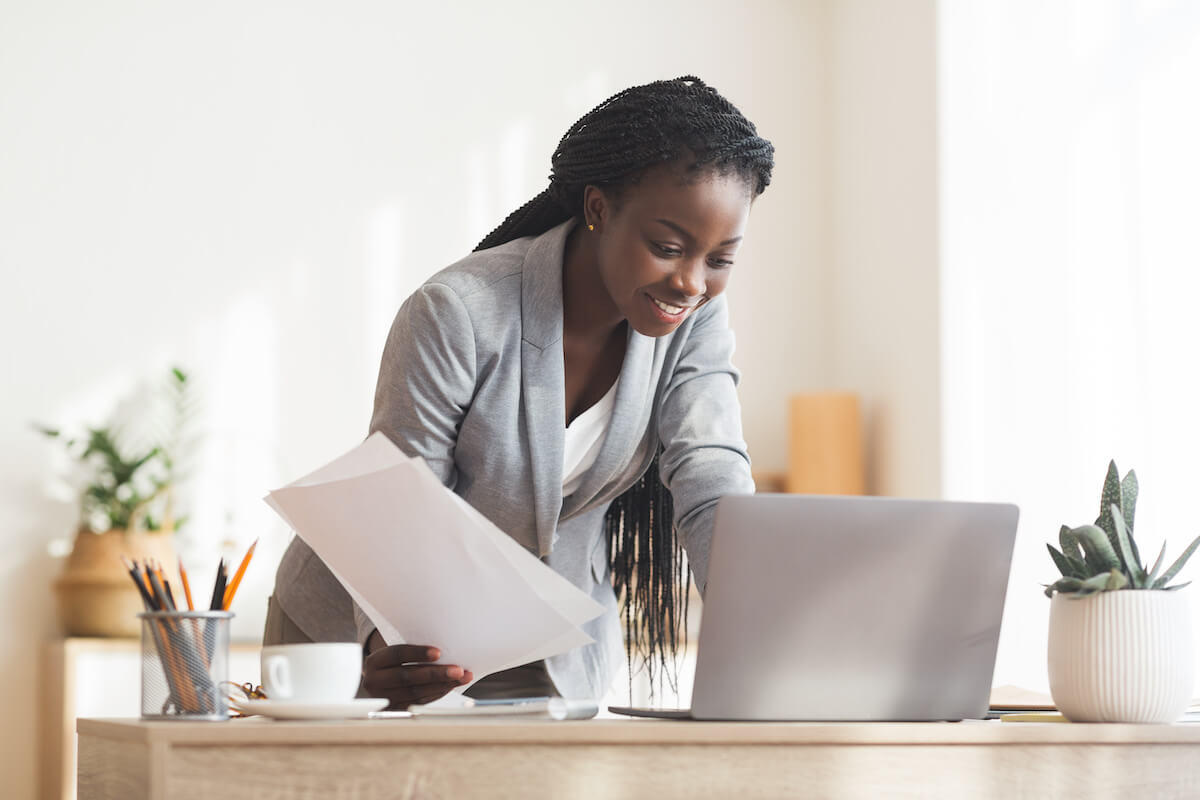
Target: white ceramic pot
1121,656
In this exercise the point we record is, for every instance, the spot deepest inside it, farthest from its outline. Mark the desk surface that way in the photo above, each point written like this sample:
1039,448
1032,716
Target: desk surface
633,758
494,730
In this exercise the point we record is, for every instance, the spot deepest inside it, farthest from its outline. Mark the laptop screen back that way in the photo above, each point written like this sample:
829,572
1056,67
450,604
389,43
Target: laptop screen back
852,608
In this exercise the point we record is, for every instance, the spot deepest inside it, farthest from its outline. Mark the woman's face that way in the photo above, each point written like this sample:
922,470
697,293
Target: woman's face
668,246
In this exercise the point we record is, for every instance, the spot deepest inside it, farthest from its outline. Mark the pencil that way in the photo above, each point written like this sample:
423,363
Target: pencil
187,590
218,596
237,577
160,592
133,573
144,577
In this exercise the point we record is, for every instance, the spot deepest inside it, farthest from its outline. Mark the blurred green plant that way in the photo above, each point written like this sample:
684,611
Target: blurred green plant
1103,556
132,478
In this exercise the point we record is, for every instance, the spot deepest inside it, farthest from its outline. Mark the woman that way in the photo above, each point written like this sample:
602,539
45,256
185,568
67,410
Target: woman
563,374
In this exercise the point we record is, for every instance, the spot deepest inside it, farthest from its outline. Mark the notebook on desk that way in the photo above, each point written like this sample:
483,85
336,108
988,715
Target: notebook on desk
850,608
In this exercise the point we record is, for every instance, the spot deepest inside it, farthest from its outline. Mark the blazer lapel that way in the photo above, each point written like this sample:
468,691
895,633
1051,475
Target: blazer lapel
542,378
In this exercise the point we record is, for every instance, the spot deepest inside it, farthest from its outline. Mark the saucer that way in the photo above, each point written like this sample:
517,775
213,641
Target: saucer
291,709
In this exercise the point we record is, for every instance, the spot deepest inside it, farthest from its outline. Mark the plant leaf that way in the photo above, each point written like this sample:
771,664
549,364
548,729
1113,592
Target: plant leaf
1064,564
1178,565
1098,551
1129,493
1178,586
1132,566
1064,586
1111,496
1157,565
1070,544
1108,581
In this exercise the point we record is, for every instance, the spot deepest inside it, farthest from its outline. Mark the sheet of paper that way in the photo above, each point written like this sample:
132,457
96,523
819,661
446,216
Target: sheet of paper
429,569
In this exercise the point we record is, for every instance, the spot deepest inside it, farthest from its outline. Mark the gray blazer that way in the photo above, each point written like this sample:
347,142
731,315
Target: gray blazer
472,381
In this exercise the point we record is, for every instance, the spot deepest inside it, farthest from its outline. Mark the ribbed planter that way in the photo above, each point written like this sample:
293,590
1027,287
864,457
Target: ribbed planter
1121,656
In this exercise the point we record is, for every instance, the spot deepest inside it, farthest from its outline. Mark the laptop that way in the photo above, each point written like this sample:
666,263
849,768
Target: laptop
822,608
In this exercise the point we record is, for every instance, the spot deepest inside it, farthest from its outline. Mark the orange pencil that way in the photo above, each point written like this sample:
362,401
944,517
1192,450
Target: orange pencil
146,582
187,590
237,577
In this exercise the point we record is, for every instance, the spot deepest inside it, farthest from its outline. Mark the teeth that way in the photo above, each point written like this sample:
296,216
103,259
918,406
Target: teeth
669,309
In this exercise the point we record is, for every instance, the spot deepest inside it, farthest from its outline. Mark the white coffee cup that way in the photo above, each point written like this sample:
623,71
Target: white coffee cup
318,672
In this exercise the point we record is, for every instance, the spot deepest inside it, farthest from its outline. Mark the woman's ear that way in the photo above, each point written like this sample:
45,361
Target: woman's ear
597,208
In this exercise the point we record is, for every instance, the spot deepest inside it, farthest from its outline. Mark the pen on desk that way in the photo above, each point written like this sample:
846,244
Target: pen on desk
509,701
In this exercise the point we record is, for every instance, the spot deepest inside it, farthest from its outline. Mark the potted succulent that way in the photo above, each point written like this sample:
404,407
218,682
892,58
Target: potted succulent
1120,642
127,509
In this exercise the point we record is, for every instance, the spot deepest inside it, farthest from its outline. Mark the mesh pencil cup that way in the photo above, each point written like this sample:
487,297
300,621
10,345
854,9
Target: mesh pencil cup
185,661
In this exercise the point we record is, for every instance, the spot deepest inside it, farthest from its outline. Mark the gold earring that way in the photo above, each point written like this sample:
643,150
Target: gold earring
591,227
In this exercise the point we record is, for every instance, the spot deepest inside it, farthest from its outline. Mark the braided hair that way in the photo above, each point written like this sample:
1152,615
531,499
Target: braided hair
681,121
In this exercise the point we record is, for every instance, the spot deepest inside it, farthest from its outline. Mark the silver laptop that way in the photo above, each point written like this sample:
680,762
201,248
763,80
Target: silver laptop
850,608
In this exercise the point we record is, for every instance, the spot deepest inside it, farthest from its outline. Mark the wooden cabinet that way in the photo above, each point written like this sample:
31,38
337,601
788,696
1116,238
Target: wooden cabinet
97,678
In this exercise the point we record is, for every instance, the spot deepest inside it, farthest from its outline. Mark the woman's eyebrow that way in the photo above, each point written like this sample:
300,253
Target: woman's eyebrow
684,233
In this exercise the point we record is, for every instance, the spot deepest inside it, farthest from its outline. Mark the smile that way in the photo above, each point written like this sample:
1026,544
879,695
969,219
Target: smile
668,309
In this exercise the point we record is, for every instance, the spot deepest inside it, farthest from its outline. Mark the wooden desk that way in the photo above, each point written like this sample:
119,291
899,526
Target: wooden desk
603,758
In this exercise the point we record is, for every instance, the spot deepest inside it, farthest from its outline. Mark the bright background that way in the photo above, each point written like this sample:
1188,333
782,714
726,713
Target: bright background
982,220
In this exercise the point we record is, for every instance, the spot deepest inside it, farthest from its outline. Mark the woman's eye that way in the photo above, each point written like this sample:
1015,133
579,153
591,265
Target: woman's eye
666,250
720,263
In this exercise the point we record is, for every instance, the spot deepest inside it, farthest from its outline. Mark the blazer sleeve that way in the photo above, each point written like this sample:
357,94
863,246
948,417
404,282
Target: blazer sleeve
426,382
704,455
427,378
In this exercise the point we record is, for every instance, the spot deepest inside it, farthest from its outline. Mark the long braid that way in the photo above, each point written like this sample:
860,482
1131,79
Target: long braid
649,577
675,121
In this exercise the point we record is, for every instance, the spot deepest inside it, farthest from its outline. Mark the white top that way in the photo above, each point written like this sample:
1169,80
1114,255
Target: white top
583,438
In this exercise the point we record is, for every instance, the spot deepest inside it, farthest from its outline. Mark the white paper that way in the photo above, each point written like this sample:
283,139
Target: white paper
429,569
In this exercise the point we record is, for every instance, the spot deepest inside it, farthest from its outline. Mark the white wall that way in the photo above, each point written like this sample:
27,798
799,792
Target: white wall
883,274
1069,170
250,189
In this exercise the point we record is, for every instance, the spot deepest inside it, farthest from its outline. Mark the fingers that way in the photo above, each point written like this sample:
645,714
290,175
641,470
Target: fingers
397,654
402,697
417,674
402,673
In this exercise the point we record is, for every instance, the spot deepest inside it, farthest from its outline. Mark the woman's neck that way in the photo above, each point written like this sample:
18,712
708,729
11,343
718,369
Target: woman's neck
588,311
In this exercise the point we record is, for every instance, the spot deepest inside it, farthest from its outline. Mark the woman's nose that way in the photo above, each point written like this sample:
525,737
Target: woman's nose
688,278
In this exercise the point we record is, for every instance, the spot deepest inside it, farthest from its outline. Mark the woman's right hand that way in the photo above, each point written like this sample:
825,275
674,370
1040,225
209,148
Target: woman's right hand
402,673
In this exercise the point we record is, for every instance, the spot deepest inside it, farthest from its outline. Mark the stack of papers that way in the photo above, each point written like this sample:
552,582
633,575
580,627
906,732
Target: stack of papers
429,569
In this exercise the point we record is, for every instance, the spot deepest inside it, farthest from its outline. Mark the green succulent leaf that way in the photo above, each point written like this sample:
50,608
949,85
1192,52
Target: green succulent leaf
1132,566
1178,565
1178,586
1070,544
1129,493
1098,550
1153,573
1111,496
1064,586
1106,582
1066,565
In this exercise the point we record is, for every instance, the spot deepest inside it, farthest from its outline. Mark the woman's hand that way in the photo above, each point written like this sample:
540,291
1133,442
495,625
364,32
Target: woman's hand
402,673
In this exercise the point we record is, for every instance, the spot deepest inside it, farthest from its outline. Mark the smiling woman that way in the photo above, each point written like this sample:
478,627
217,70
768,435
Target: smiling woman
571,380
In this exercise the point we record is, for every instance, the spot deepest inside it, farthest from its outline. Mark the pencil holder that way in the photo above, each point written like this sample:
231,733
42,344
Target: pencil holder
185,662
